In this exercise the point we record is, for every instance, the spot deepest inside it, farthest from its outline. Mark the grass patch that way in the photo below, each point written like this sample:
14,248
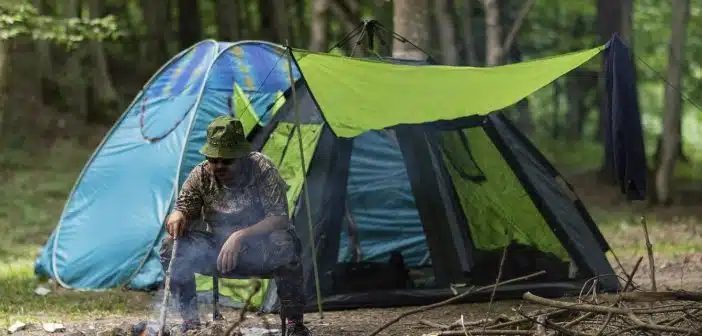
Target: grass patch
669,237
36,185
17,284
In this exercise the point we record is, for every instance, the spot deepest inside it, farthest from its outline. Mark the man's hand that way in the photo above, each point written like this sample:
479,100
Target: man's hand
229,253
175,224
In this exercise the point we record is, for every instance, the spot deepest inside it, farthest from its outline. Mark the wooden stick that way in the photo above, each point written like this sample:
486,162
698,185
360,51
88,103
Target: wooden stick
527,319
434,324
678,295
649,251
630,276
167,290
242,315
620,311
453,299
540,326
599,309
483,332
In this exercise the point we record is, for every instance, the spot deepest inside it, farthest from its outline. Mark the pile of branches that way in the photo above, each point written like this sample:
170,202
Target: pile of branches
610,314
629,312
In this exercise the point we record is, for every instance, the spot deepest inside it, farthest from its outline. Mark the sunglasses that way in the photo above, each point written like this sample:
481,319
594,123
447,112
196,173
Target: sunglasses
225,162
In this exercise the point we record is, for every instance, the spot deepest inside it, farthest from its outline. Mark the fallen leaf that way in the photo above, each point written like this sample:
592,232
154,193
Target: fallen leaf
16,327
53,327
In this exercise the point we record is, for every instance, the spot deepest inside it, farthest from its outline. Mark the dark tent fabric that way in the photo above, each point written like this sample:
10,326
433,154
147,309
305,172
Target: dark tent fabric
623,134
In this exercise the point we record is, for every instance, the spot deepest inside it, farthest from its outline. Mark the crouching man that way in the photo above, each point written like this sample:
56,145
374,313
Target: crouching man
231,217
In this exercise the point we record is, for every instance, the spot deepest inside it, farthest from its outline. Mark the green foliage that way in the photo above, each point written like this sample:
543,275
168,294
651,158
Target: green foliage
21,19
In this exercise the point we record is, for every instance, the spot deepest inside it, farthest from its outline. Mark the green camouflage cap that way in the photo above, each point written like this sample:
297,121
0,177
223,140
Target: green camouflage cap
226,139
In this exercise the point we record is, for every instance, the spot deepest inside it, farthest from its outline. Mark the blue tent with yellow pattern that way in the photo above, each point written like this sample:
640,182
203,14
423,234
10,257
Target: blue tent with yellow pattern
404,165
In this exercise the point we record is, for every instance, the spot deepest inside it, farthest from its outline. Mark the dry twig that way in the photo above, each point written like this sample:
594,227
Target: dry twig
649,251
231,331
629,313
468,292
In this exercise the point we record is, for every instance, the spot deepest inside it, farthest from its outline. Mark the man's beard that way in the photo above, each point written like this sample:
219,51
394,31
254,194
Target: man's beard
223,173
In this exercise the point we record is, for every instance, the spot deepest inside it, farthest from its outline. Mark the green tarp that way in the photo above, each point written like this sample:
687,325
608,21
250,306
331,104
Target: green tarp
359,95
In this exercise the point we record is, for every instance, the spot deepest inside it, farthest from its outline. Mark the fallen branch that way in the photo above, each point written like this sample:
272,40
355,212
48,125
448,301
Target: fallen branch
468,292
528,319
629,313
434,324
678,295
540,325
550,324
649,252
482,332
242,315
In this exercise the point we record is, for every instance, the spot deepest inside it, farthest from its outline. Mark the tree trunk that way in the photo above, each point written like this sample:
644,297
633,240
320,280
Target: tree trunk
227,19
300,23
525,123
447,32
470,56
280,21
272,16
105,99
579,85
189,23
73,85
43,47
673,106
493,33
157,31
577,109
4,90
411,20
556,105
319,25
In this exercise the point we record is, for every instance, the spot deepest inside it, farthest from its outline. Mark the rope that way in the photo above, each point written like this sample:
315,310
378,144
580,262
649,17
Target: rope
665,81
275,66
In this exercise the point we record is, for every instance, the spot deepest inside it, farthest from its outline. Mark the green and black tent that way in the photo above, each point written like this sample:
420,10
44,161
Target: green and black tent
412,191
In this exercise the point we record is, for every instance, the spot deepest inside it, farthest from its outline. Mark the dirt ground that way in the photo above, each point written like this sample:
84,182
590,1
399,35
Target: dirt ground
669,273
676,271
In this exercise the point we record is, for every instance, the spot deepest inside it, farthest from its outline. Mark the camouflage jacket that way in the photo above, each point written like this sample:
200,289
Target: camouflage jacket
258,191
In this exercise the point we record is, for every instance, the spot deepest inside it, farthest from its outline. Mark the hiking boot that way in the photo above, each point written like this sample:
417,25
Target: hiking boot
297,329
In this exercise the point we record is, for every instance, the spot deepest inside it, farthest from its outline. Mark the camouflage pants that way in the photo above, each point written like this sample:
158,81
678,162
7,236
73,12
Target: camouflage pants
276,254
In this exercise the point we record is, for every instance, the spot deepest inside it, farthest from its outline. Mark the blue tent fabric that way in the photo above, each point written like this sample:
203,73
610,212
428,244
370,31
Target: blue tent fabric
109,232
381,202
624,143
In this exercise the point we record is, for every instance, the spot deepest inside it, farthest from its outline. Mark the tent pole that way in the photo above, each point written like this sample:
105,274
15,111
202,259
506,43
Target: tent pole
304,184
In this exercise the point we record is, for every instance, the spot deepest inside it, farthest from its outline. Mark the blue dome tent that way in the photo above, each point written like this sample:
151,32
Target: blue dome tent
128,185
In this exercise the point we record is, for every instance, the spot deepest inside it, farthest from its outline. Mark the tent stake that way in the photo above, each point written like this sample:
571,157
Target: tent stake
304,184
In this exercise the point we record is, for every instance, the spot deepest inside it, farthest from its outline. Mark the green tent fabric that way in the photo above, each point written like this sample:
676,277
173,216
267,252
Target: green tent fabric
499,207
359,95
244,109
